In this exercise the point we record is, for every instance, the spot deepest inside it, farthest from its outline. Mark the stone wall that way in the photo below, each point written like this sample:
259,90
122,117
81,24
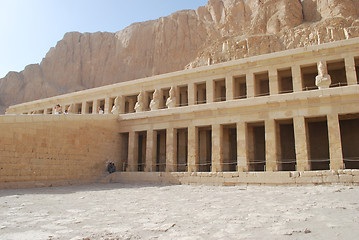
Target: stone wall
349,176
44,150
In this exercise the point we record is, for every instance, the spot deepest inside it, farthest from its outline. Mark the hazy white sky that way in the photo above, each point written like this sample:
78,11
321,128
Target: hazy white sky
29,28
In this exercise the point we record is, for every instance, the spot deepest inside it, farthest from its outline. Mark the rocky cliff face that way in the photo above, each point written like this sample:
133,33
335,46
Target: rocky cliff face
222,30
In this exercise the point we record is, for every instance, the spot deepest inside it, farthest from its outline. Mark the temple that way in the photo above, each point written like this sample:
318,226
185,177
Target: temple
290,111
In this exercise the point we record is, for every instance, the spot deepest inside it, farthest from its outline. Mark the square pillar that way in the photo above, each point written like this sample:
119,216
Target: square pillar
132,152
273,82
191,94
229,87
193,149
217,148
146,100
151,147
350,71
107,109
242,146
271,145
83,108
177,95
94,106
182,150
250,85
209,91
131,105
297,79
122,104
171,150
301,144
335,143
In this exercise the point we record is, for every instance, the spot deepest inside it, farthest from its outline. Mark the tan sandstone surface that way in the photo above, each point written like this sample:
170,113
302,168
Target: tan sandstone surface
118,211
222,30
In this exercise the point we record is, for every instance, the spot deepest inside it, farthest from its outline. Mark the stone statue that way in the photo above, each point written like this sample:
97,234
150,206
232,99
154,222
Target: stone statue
116,106
323,80
71,109
155,102
171,101
139,106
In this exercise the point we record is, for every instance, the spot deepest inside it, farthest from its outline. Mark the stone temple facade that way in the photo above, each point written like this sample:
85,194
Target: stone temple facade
291,111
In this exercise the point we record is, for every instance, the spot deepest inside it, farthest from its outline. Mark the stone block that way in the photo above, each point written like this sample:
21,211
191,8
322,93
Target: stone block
348,171
355,172
278,178
309,180
331,179
229,184
227,174
345,178
329,173
252,177
311,173
356,179
294,174
203,174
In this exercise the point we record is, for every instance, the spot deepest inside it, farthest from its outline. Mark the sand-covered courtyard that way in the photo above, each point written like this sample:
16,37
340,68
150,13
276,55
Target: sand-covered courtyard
119,211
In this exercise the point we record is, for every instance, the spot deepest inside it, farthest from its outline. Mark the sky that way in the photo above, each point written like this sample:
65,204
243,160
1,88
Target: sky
29,28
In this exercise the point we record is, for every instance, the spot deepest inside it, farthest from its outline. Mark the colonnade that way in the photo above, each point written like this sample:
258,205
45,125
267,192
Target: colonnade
248,138
248,83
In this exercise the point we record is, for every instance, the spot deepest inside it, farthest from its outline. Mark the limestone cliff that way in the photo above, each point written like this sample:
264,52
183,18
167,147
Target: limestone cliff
222,30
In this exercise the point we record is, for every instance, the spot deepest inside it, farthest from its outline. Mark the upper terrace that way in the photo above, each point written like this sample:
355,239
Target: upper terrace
280,73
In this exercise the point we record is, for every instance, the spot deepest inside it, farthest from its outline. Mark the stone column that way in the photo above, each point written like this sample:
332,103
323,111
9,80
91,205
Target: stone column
350,71
146,101
171,150
107,109
229,87
271,145
177,95
183,96
250,85
132,152
151,147
191,94
83,108
122,104
94,107
301,144
131,105
203,154
182,149
335,144
273,82
209,91
217,148
162,101
242,145
192,149
297,79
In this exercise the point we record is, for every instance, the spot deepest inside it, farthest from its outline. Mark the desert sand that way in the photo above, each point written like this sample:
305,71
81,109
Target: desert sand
119,211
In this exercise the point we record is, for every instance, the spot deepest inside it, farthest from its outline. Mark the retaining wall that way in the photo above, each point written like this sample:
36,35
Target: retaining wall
44,150
237,178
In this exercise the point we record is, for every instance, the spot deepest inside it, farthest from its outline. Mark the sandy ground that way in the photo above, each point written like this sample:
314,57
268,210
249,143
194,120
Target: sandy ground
118,211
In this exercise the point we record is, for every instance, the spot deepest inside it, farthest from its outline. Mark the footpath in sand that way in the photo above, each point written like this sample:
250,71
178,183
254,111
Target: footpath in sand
118,211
